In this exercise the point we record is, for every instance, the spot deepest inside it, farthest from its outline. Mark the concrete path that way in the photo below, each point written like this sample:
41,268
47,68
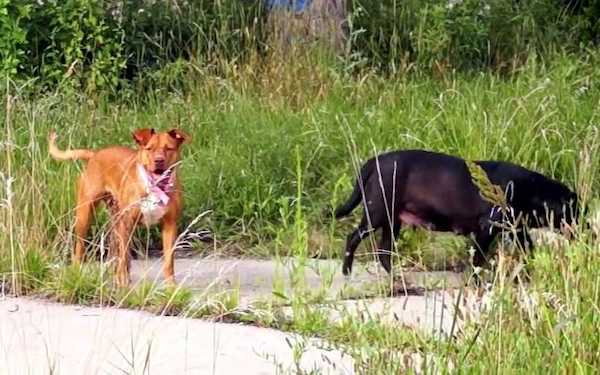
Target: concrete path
45,338
431,311
257,279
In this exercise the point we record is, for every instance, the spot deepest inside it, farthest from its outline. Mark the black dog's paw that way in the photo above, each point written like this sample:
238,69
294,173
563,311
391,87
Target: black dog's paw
346,270
185,243
204,235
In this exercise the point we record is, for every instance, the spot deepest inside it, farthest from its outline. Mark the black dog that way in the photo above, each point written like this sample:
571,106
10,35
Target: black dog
436,191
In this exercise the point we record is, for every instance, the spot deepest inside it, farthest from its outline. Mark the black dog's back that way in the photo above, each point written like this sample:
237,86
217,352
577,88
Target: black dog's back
423,175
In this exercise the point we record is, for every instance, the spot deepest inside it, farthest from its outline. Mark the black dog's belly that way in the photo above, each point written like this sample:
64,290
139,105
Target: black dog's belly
438,223
416,220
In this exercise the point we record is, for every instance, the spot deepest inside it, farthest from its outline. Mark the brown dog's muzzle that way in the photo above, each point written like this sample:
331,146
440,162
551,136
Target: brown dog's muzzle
160,165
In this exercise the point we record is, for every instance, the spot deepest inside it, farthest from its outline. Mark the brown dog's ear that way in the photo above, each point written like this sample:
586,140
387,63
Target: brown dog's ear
142,136
179,136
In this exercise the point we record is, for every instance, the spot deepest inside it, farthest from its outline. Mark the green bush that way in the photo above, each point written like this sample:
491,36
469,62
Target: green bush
466,34
100,45
97,45
159,32
13,36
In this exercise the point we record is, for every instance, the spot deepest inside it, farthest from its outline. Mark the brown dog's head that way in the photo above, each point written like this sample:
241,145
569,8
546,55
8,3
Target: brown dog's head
159,151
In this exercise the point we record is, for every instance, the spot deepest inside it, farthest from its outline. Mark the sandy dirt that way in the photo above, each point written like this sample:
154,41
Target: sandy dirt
46,338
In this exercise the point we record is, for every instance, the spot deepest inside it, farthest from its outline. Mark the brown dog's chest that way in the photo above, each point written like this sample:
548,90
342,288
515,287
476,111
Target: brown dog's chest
146,202
151,211
157,196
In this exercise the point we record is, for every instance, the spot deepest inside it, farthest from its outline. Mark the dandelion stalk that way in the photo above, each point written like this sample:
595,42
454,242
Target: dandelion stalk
9,206
488,191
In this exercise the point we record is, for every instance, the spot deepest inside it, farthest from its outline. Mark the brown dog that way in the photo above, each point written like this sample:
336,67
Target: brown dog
136,185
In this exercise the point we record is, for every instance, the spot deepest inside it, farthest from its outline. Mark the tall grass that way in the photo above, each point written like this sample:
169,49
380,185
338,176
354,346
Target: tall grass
242,162
545,324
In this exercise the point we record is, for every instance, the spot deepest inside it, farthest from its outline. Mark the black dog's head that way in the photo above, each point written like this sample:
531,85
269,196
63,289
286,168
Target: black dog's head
554,204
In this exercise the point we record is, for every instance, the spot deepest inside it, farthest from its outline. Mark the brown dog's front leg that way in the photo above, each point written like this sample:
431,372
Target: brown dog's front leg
169,235
123,232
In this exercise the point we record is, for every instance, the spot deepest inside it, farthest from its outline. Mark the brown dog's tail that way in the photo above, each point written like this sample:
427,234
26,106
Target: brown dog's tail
66,154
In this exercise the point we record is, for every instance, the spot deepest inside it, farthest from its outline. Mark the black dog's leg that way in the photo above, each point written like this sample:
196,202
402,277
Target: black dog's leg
386,246
523,239
352,243
483,240
486,235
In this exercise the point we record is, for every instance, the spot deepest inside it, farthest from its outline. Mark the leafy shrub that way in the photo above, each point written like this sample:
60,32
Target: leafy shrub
97,45
13,36
467,34
104,45
158,32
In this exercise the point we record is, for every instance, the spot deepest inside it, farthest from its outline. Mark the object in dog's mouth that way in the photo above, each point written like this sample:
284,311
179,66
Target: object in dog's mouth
158,187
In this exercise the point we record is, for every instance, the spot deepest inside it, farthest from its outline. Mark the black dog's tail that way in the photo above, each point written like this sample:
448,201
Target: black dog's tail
356,197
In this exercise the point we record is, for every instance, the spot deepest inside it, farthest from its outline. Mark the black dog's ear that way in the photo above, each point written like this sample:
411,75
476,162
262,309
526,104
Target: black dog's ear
179,136
142,136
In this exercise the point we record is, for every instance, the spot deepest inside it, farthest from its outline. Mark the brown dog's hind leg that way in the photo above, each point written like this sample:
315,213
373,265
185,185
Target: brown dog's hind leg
123,232
83,216
87,198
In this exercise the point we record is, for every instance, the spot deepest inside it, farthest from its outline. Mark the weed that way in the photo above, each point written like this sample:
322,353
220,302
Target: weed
82,284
